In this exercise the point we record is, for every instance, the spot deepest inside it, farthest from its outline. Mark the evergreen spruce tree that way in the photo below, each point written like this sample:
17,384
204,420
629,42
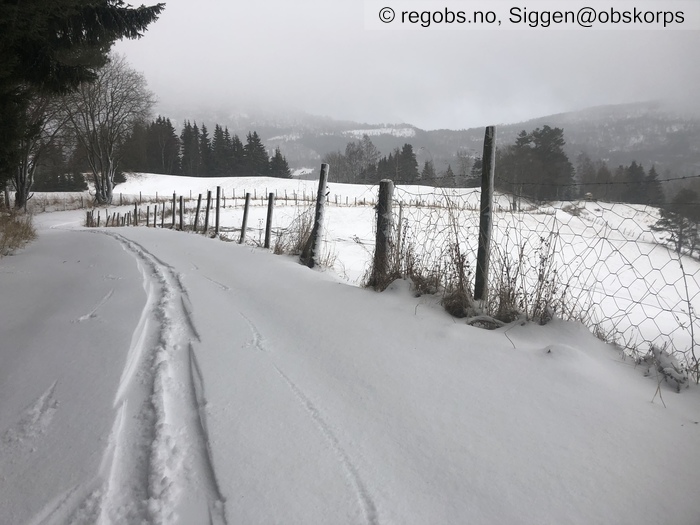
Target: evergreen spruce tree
654,193
407,165
635,187
279,167
450,177
586,174
602,190
190,149
680,221
228,161
237,157
134,151
219,152
257,163
552,171
428,174
476,170
205,153
163,147
384,168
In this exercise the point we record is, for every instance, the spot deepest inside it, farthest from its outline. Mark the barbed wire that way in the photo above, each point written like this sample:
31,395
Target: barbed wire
607,183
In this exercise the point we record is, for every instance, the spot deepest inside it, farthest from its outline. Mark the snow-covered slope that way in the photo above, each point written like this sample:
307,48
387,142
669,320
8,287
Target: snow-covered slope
152,376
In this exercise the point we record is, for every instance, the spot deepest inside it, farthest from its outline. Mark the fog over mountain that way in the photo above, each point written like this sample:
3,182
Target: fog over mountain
320,58
650,133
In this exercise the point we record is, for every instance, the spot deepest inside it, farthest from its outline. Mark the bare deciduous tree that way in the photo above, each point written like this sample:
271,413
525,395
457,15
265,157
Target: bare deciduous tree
43,122
103,113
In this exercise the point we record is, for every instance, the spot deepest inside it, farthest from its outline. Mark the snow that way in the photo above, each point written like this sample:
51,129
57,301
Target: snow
374,132
153,376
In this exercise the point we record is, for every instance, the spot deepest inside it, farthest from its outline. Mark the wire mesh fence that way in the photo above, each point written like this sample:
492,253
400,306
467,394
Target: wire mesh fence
602,263
608,265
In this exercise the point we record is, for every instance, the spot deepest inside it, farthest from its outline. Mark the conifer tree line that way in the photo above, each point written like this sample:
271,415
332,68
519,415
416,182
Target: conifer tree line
362,163
534,167
156,147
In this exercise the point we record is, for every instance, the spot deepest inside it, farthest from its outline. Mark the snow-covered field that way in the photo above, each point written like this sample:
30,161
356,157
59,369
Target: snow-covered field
153,376
618,274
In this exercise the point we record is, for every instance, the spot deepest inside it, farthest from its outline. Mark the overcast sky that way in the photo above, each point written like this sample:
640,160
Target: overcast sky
317,57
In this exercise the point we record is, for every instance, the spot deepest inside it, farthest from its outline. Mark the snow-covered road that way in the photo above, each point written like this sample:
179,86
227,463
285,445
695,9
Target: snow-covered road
150,376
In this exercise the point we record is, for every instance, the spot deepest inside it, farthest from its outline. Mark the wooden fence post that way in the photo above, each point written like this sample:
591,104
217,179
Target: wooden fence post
380,270
399,240
155,215
486,215
148,216
206,214
196,216
174,199
136,217
268,225
162,215
218,206
312,249
244,226
182,205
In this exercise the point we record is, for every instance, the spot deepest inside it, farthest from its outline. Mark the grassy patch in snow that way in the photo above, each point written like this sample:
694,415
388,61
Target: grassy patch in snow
16,230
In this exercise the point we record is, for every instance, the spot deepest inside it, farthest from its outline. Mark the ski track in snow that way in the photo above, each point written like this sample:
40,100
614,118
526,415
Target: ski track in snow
217,283
157,468
35,420
93,313
365,499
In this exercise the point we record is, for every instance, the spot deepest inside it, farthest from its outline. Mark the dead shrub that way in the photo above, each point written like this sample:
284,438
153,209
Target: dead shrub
458,303
292,239
16,230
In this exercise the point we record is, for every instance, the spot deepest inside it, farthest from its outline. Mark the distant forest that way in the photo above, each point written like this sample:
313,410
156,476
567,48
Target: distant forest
155,147
535,166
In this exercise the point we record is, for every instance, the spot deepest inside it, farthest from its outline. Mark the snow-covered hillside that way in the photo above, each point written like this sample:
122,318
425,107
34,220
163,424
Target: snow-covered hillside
154,376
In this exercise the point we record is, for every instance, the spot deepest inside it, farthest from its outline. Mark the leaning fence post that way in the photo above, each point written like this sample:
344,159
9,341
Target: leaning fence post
218,206
313,246
486,217
206,214
380,270
244,226
182,205
268,225
196,215
399,240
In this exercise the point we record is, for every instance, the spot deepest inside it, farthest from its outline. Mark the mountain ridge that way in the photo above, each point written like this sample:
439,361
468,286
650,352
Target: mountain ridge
651,132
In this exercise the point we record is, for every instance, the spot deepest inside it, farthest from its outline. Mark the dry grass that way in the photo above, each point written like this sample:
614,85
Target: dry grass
292,239
16,230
